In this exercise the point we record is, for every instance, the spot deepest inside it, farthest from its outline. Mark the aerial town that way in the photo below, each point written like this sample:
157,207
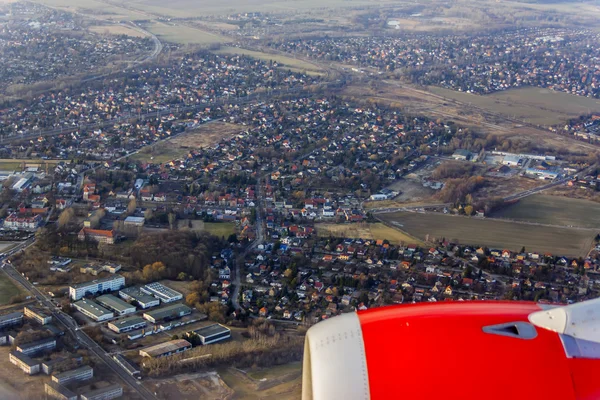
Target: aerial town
177,211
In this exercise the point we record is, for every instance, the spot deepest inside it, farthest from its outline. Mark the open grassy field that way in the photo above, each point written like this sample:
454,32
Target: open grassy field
115,30
99,9
204,136
7,289
283,61
183,34
531,104
554,210
366,231
493,233
214,228
281,382
195,8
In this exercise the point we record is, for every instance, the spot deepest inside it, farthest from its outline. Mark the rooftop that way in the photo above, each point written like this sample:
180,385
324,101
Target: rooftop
24,358
211,330
166,347
96,392
8,317
137,294
95,309
110,301
96,281
73,372
61,389
125,322
168,311
161,290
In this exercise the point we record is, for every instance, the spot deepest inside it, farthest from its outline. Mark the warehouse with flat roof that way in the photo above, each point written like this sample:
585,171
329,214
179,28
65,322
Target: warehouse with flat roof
166,348
127,324
115,304
93,310
167,313
135,294
160,291
213,333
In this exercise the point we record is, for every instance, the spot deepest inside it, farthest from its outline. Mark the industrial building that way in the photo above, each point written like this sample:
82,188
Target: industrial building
134,221
143,300
112,283
11,319
167,313
165,294
127,365
127,324
166,349
213,333
23,361
79,374
93,310
59,392
37,346
37,314
115,304
105,393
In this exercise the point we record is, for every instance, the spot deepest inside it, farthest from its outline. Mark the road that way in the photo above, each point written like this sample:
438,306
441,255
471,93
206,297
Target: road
71,326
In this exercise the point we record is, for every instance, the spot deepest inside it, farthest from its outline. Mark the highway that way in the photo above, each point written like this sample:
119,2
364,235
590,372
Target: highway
71,326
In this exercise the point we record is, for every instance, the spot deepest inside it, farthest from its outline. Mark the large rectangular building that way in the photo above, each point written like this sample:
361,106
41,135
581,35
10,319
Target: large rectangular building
135,294
105,393
166,349
127,324
117,305
165,294
93,310
11,319
37,314
112,283
213,333
58,392
37,347
173,311
78,374
23,361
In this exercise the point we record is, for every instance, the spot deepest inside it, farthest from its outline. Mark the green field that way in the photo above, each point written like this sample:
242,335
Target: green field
220,228
554,210
184,34
366,231
285,62
494,233
7,289
531,104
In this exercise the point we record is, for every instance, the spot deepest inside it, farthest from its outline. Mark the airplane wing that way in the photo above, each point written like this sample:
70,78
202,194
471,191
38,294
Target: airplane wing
456,350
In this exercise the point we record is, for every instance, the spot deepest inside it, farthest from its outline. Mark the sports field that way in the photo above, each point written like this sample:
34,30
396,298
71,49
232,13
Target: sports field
494,233
554,210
